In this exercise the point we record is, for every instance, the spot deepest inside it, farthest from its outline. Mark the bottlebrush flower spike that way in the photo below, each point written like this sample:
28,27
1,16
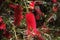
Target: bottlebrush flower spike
55,9
32,4
1,19
38,11
37,17
12,5
30,20
7,34
17,14
2,24
54,1
38,14
31,25
45,28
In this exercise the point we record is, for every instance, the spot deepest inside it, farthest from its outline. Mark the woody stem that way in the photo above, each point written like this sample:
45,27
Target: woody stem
25,2
15,31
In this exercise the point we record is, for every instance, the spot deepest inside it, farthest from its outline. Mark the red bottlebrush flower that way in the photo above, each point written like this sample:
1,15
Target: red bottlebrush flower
45,28
1,19
2,24
33,0
32,4
12,5
55,9
17,14
54,1
37,17
38,14
31,23
7,34
30,20
38,11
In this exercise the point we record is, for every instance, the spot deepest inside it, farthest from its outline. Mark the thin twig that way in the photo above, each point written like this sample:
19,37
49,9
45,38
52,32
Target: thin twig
15,31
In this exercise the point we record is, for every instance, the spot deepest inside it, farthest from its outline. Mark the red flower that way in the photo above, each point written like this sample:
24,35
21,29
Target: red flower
55,9
1,19
38,11
2,24
7,34
45,28
30,20
54,1
17,14
31,25
12,5
3,27
32,4
38,14
37,17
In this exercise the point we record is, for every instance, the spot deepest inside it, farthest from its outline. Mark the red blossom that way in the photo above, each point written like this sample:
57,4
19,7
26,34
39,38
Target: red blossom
31,26
54,1
3,27
12,5
38,14
45,28
2,24
17,14
37,17
55,9
30,20
1,19
7,34
32,4
38,11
